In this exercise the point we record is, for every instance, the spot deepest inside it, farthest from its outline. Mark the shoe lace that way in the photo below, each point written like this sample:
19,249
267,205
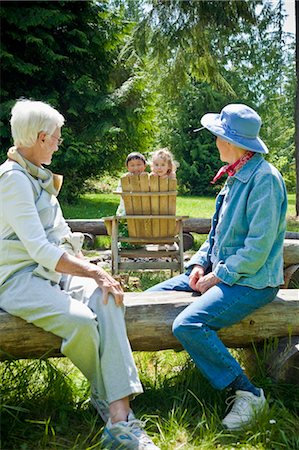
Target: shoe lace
238,403
136,427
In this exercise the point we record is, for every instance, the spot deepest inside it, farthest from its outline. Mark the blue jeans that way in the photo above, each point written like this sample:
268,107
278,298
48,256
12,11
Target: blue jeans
196,327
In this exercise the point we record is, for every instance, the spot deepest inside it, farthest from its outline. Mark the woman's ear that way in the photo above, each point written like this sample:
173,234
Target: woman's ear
41,136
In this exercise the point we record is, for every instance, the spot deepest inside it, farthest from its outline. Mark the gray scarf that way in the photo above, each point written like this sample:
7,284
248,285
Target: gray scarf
49,181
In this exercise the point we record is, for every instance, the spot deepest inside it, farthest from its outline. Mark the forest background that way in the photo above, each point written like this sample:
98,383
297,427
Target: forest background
134,75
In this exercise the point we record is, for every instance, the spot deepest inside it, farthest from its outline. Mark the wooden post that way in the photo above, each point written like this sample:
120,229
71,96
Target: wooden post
114,247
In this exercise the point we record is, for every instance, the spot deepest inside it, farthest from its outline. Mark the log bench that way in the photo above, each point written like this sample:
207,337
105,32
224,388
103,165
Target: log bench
96,227
149,318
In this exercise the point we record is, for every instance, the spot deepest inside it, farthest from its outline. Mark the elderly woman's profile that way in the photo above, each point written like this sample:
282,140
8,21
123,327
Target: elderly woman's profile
45,279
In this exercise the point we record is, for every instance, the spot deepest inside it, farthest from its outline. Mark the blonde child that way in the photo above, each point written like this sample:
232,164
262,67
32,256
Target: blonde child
163,164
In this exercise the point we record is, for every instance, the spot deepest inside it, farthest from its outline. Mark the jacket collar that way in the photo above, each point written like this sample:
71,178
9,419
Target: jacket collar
249,168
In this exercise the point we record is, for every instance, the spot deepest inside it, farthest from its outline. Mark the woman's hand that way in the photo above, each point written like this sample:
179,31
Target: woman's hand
109,286
200,282
206,282
80,255
196,274
72,265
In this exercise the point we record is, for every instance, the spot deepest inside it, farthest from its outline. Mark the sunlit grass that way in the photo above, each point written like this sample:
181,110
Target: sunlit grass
44,405
95,206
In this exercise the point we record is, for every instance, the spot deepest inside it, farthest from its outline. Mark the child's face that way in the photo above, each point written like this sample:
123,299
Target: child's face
160,166
136,166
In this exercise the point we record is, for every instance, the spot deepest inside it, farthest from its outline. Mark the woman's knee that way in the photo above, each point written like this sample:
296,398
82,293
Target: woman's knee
80,316
177,328
85,329
180,327
183,326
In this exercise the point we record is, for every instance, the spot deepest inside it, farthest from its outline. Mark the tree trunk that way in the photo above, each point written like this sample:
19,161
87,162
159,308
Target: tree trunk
297,107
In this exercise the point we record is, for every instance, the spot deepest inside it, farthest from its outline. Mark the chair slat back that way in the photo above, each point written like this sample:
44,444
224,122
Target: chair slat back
129,207
150,201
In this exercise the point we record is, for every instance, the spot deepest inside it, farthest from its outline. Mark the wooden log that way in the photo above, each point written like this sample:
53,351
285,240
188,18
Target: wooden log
94,226
279,357
201,226
290,252
291,274
192,225
292,235
196,225
283,362
149,318
188,241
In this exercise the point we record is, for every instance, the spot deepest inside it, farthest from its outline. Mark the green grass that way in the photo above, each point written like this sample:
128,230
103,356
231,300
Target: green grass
43,404
95,206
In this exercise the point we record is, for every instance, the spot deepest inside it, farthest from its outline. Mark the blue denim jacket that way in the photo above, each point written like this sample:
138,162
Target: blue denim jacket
251,231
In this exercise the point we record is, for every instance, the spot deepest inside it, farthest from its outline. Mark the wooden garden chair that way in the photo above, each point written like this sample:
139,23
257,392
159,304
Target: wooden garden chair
150,207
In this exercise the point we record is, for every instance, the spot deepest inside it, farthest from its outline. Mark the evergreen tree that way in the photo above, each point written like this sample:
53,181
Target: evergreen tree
66,53
259,65
177,34
241,55
196,152
297,108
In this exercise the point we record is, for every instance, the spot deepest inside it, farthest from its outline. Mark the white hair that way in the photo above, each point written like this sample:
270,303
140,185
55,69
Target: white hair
29,118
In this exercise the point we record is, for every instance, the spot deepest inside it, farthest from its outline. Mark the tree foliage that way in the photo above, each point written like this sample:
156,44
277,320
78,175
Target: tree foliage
66,53
251,62
177,34
195,151
134,74
259,65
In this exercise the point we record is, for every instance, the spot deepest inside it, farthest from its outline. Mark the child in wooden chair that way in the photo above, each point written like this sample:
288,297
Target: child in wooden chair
163,164
136,165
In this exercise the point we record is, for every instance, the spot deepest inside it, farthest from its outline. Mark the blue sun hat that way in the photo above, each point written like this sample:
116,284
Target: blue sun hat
238,124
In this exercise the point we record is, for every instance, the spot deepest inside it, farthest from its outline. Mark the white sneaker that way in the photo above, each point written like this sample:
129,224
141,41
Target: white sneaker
245,408
127,435
172,247
162,247
102,407
169,247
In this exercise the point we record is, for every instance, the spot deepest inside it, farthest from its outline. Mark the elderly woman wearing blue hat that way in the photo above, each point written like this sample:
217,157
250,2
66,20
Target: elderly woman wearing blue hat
240,266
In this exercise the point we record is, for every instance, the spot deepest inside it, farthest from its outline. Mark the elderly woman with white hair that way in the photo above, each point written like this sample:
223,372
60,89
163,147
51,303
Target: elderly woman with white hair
240,266
45,280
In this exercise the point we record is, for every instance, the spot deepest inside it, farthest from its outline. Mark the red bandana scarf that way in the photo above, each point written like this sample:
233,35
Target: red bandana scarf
231,169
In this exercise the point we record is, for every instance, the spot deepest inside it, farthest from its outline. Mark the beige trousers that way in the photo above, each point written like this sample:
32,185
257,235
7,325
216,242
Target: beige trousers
93,334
